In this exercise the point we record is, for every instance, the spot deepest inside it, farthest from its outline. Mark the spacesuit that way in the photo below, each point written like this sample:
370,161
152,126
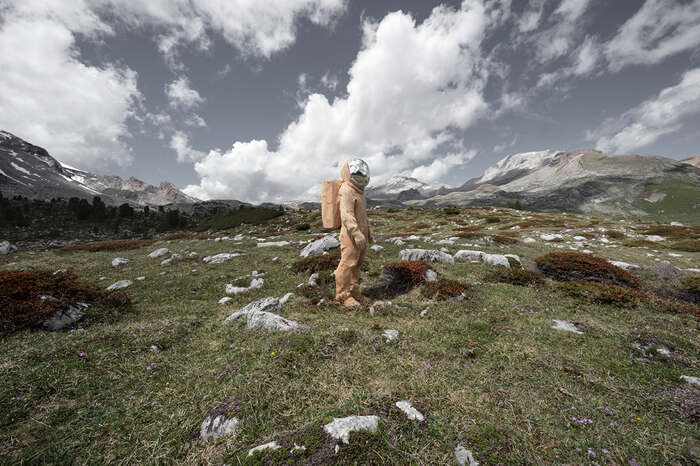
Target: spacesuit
354,232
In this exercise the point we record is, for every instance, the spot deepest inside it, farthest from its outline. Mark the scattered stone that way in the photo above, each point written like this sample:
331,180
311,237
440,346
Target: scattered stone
318,247
63,318
102,278
676,224
313,280
274,244
141,278
431,276
376,247
275,259
192,254
566,326
529,240
163,273
428,255
424,312
155,349
496,259
286,298
268,446
60,271
254,285
222,238
580,238
218,426
7,248
673,254
625,265
552,237
159,252
411,412
691,380
119,262
297,448
256,274
119,285
468,255
220,258
655,238
260,314
171,259
465,457
340,428
391,335
225,300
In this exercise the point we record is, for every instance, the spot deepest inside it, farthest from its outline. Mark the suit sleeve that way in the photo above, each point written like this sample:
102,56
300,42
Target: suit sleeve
347,212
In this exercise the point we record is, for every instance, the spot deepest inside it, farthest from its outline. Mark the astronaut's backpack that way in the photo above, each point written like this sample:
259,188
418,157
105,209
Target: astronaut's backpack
330,204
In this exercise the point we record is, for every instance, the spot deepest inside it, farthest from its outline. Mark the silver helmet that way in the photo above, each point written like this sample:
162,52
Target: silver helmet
359,171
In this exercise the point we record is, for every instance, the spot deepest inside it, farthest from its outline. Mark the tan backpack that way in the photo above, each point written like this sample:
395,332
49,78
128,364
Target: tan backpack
330,204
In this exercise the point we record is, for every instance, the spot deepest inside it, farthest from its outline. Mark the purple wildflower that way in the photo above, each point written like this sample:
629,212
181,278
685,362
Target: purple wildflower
82,354
591,452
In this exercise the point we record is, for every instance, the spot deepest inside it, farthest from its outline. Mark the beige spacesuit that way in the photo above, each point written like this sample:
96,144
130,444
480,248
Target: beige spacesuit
354,232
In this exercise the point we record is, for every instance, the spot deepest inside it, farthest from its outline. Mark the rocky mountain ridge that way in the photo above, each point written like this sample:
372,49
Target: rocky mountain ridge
30,171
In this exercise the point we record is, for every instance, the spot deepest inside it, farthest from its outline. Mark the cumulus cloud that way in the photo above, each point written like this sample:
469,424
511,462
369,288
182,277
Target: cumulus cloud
648,121
660,29
50,97
412,88
181,95
562,35
180,143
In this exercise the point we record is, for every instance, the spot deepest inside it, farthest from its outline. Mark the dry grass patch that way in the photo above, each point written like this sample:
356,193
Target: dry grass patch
120,245
574,266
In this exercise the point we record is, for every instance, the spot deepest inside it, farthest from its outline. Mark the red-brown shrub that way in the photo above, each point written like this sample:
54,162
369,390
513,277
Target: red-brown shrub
574,266
444,288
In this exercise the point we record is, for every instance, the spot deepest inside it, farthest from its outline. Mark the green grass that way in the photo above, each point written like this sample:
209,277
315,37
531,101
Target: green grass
487,372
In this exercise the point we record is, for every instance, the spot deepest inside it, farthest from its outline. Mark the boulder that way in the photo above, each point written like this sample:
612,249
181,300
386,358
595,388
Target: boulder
566,327
220,258
691,380
464,255
285,298
171,259
655,238
340,428
6,248
159,252
376,247
119,262
428,255
119,285
431,276
496,259
64,318
391,335
215,426
552,237
274,244
268,446
225,300
625,265
465,457
318,247
529,240
261,314
410,412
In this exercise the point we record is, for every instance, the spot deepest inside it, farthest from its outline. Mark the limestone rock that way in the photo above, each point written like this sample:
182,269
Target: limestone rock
159,252
691,380
496,259
6,248
431,276
274,244
119,262
408,409
63,318
266,446
552,237
428,255
464,255
171,259
391,335
376,247
566,326
340,428
285,298
465,457
218,426
119,285
220,258
625,265
318,247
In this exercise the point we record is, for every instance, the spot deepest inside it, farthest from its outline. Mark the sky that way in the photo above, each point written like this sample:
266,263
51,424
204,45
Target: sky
263,100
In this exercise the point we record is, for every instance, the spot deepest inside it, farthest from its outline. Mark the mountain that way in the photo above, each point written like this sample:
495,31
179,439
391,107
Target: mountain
694,161
29,170
584,181
404,188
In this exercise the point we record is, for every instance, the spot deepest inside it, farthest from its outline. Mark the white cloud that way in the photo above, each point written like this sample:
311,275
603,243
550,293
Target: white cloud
412,87
181,95
660,29
560,38
329,81
180,143
48,96
648,121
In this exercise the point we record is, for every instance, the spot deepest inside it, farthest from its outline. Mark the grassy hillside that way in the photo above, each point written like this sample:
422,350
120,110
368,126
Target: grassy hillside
488,372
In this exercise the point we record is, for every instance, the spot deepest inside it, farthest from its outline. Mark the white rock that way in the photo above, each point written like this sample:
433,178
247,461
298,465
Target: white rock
6,248
256,283
429,255
159,252
655,238
220,258
340,428
225,300
312,280
230,289
580,238
274,244
411,412
119,262
552,237
424,312
529,240
285,298
259,314
625,265
691,380
673,254
465,457
297,448
268,446
64,318
431,276
391,335
376,247
496,259
171,259
676,224
320,246
218,426
102,278
275,259
468,255
192,254
566,326
693,270
141,278
119,285
514,256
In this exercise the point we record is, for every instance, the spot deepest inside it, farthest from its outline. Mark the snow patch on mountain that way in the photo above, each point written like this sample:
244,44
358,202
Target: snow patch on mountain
522,161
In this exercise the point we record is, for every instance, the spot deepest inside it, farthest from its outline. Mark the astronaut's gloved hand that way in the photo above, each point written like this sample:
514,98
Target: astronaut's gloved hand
360,240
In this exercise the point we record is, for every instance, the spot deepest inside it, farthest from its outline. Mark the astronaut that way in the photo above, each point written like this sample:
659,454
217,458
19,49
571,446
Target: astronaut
354,232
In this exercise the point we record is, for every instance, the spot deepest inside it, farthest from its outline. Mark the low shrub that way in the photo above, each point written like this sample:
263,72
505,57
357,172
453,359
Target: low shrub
21,305
615,234
502,239
119,245
444,288
514,276
492,219
185,235
313,264
690,289
574,266
245,214
401,277
688,245
601,294
642,243
303,227
421,225
451,211
671,231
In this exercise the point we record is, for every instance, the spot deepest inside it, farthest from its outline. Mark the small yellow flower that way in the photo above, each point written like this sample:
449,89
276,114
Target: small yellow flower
639,419
123,344
273,353
167,383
